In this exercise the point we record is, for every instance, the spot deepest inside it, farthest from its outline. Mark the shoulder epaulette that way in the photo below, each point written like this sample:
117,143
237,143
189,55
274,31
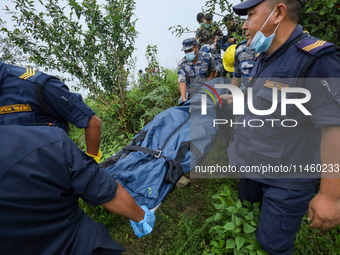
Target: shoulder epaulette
23,73
313,45
258,54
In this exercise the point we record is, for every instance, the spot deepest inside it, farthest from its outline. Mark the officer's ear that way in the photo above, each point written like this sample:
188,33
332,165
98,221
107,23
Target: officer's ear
280,13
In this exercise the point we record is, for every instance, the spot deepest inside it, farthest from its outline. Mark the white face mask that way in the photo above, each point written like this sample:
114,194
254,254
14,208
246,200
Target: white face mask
260,43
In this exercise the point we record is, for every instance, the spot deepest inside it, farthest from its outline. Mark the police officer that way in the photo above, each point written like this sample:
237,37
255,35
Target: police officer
286,52
42,176
28,96
193,68
243,64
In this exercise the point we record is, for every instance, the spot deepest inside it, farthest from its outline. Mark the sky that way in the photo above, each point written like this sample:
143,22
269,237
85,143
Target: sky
154,19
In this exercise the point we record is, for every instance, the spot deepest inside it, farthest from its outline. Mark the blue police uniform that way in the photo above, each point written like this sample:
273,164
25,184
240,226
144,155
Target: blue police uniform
40,184
20,105
244,62
285,200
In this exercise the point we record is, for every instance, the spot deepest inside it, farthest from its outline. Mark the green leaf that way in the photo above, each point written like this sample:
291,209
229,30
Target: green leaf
217,206
252,252
248,229
309,9
246,203
231,209
218,216
230,244
253,223
238,230
330,4
250,216
238,221
250,247
260,252
239,242
218,228
324,10
229,226
215,196
257,205
223,205
239,204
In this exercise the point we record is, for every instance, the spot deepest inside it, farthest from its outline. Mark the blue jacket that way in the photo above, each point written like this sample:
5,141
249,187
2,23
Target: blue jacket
42,176
19,103
275,145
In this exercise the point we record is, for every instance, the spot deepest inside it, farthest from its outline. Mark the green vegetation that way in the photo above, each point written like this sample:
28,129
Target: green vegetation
189,221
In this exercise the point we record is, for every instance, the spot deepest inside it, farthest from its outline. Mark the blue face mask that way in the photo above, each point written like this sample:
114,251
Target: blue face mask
202,24
260,43
208,25
190,56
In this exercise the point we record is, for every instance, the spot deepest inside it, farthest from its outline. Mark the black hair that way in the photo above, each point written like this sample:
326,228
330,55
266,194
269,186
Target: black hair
140,71
209,16
227,18
199,17
293,8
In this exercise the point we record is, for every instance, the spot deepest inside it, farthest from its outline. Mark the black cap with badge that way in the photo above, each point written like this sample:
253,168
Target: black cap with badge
242,8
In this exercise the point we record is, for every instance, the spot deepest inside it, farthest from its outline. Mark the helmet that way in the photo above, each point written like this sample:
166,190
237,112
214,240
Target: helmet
229,57
206,48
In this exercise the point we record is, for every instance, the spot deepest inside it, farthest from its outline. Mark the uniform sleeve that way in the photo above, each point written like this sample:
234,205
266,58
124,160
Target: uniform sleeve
212,65
66,105
181,73
323,81
89,180
237,71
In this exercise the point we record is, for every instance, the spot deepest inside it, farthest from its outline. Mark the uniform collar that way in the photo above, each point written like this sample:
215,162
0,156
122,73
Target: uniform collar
296,32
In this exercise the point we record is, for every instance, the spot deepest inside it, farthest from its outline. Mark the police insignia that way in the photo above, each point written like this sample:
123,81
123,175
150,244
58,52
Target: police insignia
273,84
250,78
15,108
23,73
29,73
313,46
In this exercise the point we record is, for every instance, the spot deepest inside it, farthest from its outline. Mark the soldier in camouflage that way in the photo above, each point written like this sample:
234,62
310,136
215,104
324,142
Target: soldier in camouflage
211,34
193,68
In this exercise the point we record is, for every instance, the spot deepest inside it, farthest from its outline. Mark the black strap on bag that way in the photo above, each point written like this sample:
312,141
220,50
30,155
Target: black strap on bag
40,94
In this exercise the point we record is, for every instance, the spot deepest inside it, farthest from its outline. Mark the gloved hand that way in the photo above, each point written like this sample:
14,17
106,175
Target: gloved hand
96,158
145,226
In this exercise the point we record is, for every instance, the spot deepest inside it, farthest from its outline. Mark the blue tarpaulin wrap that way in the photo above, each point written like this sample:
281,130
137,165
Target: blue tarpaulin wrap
177,140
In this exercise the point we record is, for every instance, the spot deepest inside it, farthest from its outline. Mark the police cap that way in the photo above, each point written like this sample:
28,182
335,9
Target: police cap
242,8
189,43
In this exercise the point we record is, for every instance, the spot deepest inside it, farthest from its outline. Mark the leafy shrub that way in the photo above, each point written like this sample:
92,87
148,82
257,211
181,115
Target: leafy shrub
234,227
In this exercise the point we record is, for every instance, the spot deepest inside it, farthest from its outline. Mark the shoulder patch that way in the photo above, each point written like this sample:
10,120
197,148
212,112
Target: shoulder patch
23,73
313,45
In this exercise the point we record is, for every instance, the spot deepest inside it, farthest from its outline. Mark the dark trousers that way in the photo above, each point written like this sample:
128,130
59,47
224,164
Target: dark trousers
281,214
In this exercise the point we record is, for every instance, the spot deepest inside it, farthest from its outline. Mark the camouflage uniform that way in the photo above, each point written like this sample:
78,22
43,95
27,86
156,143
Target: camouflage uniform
206,35
188,70
237,28
244,62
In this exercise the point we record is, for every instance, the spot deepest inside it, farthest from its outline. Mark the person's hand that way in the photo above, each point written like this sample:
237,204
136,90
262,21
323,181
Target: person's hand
231,41
324,212
228,98
145,226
